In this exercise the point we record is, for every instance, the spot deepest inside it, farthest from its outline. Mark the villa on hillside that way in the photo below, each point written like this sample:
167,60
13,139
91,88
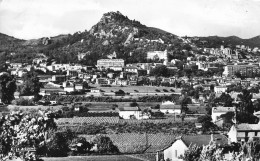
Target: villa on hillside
169,107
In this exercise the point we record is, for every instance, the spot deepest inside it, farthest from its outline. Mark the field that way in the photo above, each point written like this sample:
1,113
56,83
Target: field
97,158
139,89
25,108
138,143
142,105
93,106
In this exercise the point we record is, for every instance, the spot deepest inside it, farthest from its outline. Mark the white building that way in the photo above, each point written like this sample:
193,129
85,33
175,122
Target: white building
116,64
218,111
162,55
220,89
68,86
130,113
178,148
169,107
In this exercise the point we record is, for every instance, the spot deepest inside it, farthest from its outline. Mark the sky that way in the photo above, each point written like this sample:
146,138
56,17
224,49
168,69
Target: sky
30,19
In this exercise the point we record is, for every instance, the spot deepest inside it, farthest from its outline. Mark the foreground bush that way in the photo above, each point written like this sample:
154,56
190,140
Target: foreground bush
58,146
105,145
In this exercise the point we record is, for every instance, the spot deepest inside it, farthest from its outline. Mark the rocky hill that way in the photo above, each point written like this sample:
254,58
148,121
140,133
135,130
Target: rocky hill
113,33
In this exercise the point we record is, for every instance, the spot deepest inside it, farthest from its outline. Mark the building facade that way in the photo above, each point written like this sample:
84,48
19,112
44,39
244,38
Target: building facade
162,55
243,70
110,63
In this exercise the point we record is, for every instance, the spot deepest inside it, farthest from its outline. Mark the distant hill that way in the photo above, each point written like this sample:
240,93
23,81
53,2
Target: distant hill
9,43
216,41
115,32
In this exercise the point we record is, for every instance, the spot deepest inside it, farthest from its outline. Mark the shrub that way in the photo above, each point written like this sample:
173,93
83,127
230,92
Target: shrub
81,146
59,144
157,114
133,104
120,93
105,145
205,120
24,102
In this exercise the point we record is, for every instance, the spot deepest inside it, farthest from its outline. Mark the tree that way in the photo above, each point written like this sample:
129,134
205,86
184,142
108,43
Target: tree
120,93
81,145
192,154
211,103
246,104
133,104
156,107
59,144
160,70
225,100
157,114
105,145
228,117
85,85
246,108
184,102
242,117
7,87
205,120
31,84
257,105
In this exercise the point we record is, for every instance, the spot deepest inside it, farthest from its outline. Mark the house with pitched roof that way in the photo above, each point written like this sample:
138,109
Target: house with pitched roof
181,144
170,107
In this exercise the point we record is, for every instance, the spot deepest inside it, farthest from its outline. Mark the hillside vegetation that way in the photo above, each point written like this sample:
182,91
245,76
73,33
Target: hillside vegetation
115,32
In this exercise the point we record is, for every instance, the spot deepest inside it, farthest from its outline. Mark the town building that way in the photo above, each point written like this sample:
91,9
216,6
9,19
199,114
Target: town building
246,70
130,113
220,89
218,111
182,144
161,55
115,64
244,132
169,107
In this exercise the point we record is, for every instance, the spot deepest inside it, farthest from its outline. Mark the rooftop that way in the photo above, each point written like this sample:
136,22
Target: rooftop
110,60
201,140
167,106
129,109
248,127
223,109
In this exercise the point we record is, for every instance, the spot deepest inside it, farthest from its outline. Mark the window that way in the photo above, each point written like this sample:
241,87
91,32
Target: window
176,153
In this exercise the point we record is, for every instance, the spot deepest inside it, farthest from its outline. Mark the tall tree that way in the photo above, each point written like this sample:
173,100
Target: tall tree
160,70
224,99
246,104
7,87
246,108
31,84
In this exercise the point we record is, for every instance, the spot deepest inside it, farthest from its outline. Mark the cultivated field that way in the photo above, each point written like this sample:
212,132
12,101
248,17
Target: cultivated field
95,106
97,158
142,105
138,89
138,143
